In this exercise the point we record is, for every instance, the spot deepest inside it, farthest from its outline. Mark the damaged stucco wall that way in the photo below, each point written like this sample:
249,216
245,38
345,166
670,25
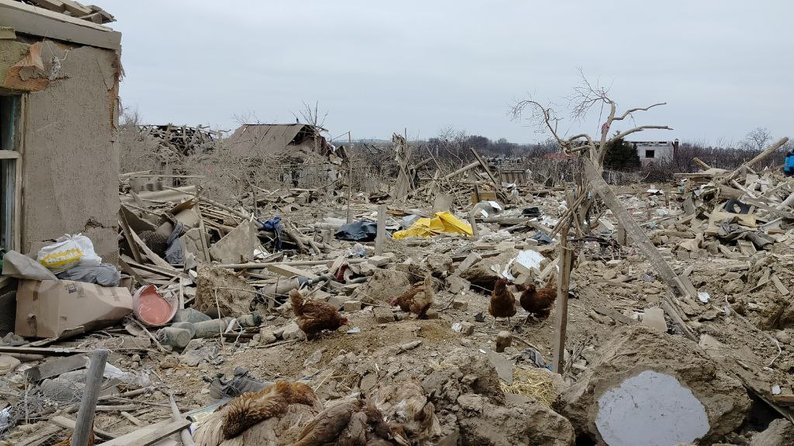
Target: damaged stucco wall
70,162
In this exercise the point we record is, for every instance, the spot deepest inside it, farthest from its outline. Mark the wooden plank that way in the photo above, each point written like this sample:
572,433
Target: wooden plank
496,183
46,351
84,425
70,424
157,260
563,282
760,157
289,271
148,435
380,236
37,21
125,229
55,367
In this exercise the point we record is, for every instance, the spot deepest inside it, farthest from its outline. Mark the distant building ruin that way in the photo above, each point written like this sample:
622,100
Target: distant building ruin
654,152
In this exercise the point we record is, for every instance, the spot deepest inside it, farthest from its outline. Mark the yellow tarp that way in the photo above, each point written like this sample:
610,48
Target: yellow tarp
441,223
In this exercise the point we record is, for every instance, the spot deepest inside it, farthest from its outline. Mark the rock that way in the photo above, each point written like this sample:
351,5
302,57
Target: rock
352,305
384,285
337,301
8,364
466,328
482,272
523,422
456,284
439,264
233,294
461,305
266,335
292,331
169,362
503,340
779,433
681,367
503,366
383,315
238,245
432,314
380,261
654,318
783,336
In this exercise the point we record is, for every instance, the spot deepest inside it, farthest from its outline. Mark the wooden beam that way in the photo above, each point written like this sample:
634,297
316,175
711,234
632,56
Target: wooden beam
9,155
84,425
40,22
760,157
635,232
148,435
563,282
496,183
380,236
68,423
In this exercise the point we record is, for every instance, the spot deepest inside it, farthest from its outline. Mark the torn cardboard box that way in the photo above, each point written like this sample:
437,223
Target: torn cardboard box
48,308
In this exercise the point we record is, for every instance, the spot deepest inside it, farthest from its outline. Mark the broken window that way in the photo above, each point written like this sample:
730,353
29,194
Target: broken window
649,153
9,171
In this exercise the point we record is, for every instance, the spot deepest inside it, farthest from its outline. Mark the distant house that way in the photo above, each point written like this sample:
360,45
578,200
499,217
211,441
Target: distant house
651,152
297,153
282,139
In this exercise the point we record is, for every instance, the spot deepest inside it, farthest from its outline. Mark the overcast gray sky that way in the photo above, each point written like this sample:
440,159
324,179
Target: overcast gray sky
723,66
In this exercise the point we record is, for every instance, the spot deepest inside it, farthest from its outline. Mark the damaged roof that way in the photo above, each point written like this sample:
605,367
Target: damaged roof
71,8
63,20
278,138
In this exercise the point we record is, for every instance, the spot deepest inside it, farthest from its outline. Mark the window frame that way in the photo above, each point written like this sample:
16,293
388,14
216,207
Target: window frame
15,155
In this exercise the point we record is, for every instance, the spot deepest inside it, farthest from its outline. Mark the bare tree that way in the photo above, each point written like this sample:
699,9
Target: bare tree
311,115
585,98
756,139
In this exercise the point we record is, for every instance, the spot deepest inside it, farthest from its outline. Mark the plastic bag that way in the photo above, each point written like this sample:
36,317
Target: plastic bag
68,251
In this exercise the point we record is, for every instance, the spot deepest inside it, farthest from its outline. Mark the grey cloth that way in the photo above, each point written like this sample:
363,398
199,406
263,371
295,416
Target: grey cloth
175,254
104,274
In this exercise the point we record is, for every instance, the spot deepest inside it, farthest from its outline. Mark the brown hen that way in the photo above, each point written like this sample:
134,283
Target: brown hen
314,316
417,299
350,423
503,303
252,407
538,302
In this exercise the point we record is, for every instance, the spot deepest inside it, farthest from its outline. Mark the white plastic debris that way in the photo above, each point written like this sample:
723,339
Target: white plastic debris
529,259
776,390
457,327
354,330
703,297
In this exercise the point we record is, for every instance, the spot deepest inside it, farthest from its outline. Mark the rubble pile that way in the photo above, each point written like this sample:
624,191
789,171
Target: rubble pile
206,315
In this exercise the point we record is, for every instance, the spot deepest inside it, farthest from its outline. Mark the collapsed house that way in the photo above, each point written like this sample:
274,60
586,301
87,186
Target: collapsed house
59,81
301,153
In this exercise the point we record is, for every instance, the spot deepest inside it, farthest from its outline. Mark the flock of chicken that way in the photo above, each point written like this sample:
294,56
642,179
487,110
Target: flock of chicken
357,421
537,302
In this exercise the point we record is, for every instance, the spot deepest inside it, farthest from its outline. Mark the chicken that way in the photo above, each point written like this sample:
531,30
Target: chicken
252,407
417,299
349,423
538,302
406,403
503,303
314,316
275,430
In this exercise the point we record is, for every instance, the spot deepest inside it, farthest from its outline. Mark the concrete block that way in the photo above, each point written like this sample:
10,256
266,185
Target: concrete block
654,318
461,305
383,315
8,364
432,314
352,305
337,301
292,331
